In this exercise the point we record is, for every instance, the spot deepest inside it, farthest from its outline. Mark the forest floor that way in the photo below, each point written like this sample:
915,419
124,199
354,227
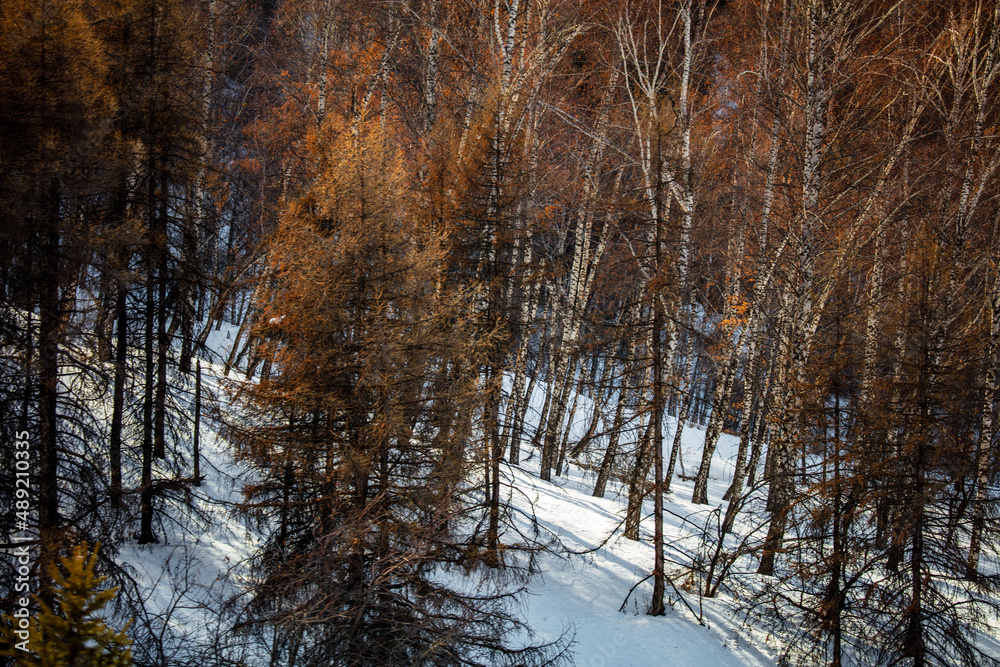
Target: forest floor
590,585
588,590
583,582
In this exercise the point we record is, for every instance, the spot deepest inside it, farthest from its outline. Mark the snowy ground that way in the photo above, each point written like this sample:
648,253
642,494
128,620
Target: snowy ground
199,560
197,563
592,587
585,592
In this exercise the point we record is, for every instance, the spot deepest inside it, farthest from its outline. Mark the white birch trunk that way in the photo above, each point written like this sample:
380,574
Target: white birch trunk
583,270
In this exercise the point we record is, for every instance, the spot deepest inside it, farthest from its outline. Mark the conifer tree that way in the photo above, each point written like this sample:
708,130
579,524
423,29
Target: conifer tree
72,632
53,137
362,434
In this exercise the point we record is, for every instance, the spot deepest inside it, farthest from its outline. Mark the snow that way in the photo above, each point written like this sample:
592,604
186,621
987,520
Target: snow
593,586
585,589
581,587
199,561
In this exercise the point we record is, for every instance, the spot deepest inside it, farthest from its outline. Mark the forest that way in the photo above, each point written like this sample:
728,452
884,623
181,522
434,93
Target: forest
453,245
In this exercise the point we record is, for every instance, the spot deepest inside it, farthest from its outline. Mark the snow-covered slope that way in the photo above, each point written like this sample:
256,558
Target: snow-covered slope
581,588
187,579
585,590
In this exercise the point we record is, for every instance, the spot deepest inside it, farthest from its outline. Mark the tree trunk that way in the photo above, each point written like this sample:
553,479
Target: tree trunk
638,485
146,535
565,383
720,406
49,335
682,416
196,440
656,605
118,399
604,473
777,469
566,431
491,557
987,432
162,345
600,398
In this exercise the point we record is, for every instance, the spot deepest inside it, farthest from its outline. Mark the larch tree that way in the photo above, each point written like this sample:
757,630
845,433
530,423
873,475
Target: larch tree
54,135
361,450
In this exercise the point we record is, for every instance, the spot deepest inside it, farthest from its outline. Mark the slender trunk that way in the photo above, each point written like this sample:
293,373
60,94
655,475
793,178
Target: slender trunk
987,433
536,438
494,455
146,483
517,429
566,432
324,66
26,371
516,403
565,384
49,334
656,605
118,400
682,416
431,74
720,406
222,297
835,594
104,320
600,486
187,291
750,387
776,528
915,646
762,428
638,486
162,345
196,441
234,352
777,468
600,398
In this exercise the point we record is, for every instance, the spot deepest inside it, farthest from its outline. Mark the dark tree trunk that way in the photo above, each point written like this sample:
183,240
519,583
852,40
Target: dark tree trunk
611,452
162,345
637,489
494,456
118,399
146,484
48,396
196,442
656,605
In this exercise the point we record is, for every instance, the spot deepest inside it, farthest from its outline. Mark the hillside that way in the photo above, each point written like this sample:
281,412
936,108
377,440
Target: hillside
581,585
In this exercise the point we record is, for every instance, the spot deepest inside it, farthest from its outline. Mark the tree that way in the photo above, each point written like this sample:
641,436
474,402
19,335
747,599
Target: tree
72,632
883,429
362,435
921,415
152,68
54,135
